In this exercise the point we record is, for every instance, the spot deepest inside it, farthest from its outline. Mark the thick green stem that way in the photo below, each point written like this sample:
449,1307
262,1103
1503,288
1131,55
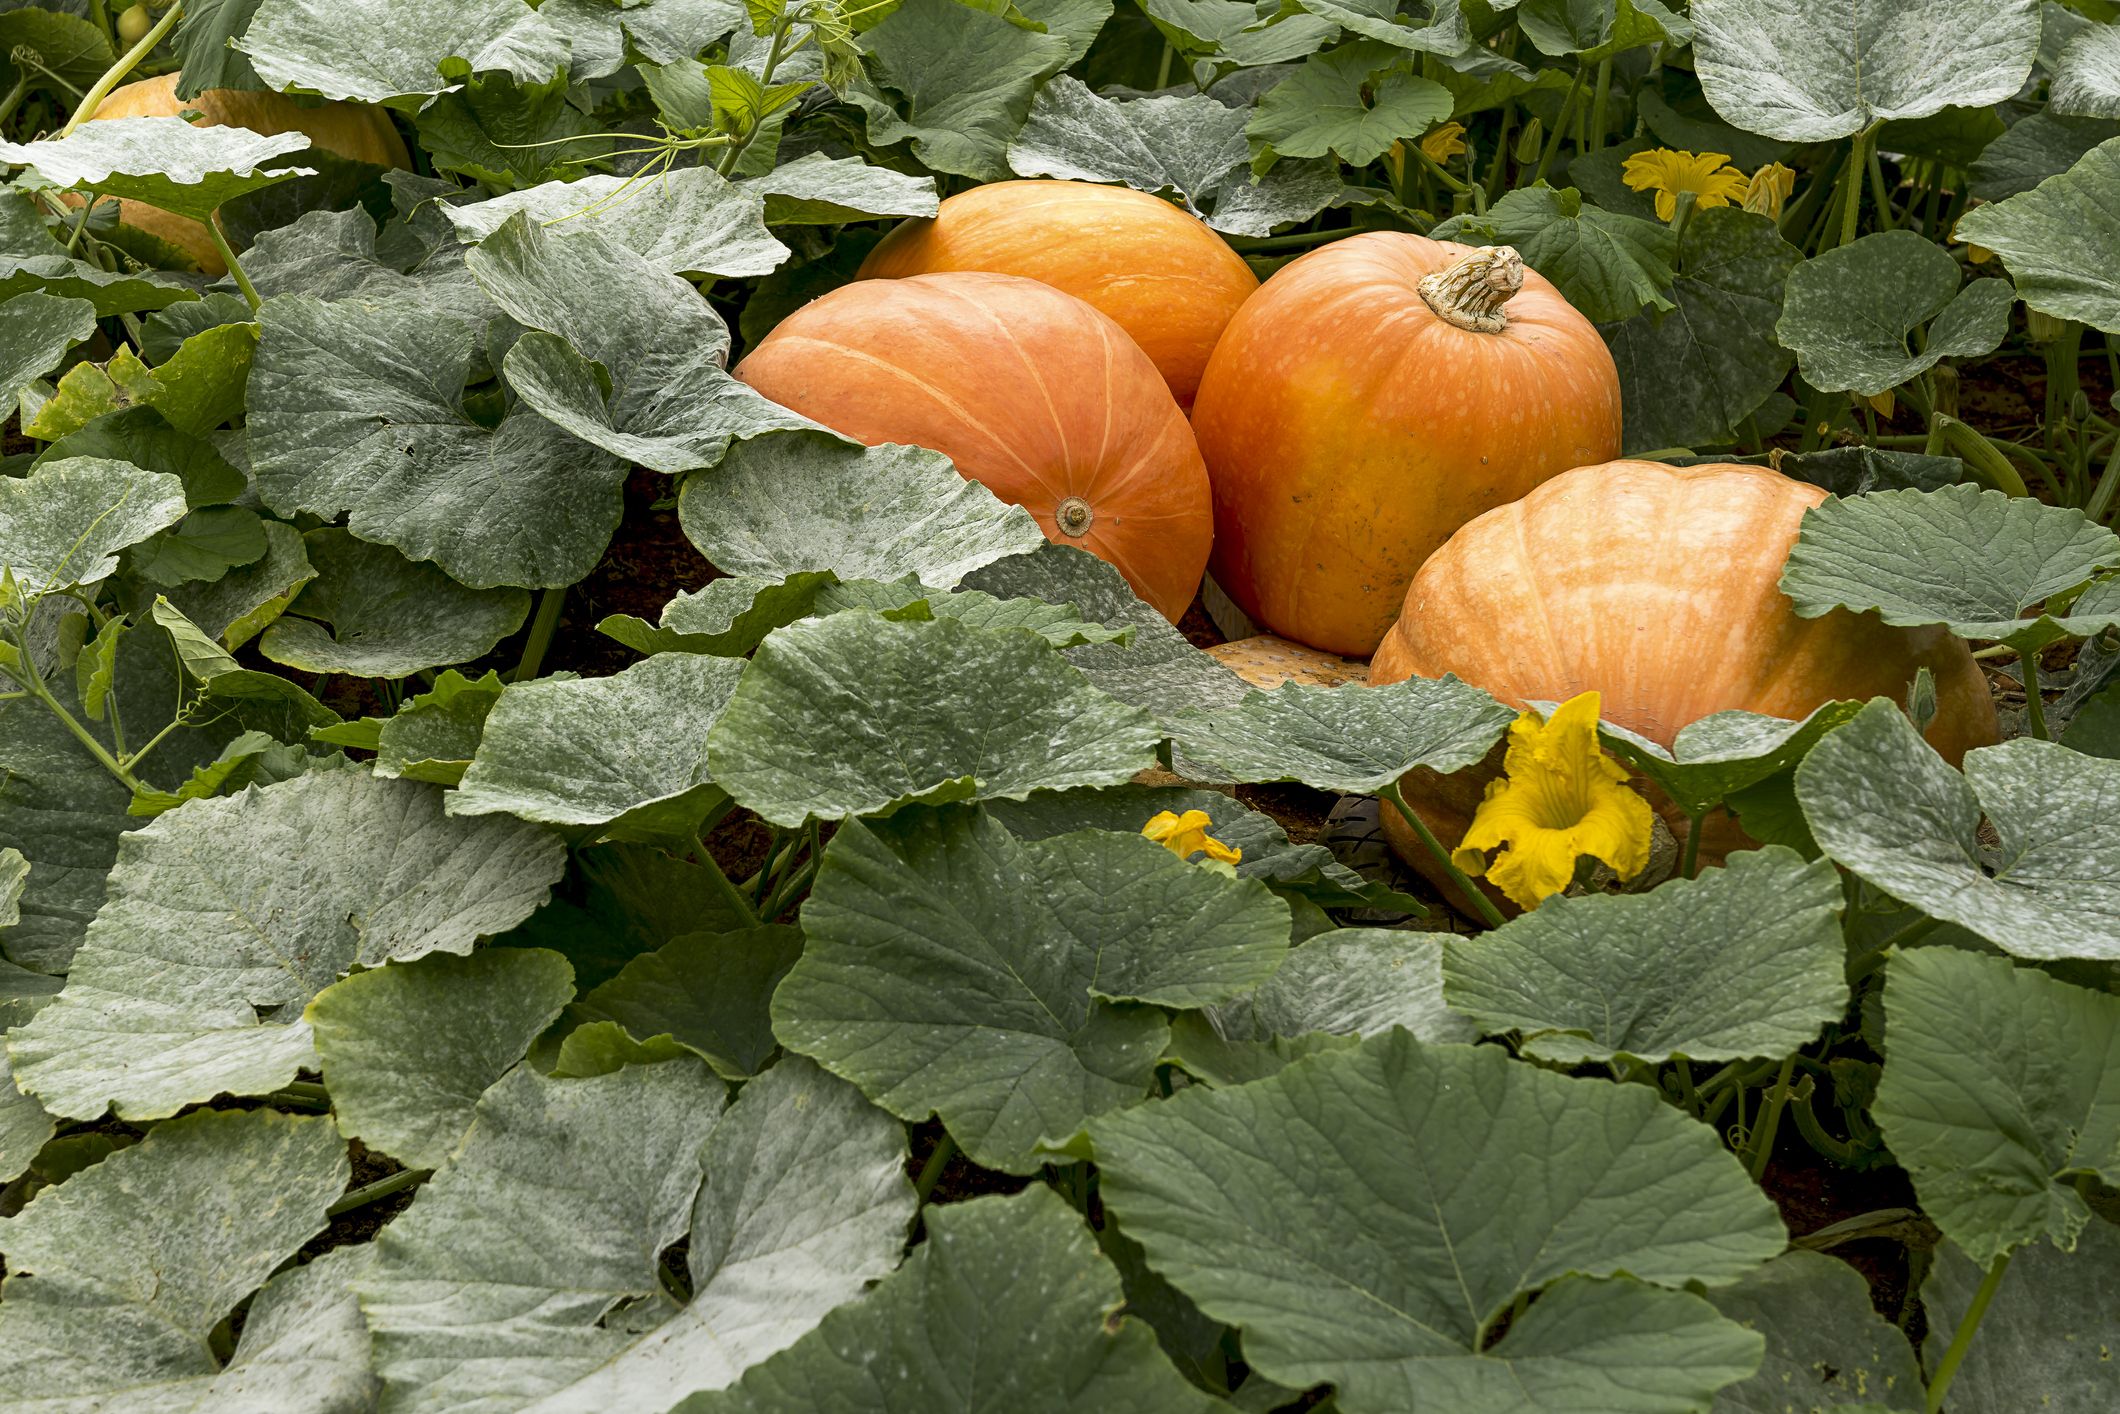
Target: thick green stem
34,685
2034,702
14,98
127,62
730,894
1690,866
1560,126
1878,192
1686,1090
1471,891
1163,68
235,266
937,1160
2108,487
372,1192
1980,455
543,625
1762,1142
774,54
1596,138
1962,1338
1293,240
1858,160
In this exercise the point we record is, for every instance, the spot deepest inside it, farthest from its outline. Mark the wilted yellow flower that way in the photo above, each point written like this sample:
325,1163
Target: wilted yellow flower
1444,143
1707,175
1186,835
1769,189
1559,798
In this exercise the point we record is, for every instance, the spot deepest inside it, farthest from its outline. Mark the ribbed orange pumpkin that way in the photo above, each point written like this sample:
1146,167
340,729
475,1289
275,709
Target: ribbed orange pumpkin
1658,586
1029,391
1370,399
1170,282
351,130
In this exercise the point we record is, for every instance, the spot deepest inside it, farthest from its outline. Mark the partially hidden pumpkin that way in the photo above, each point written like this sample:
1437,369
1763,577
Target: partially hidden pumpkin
353,131
1657,586
1371,398
1170,282
1029,391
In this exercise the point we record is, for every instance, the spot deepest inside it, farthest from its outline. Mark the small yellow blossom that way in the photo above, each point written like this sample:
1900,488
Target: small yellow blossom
1444,143
1559,798
1707,175
1883,404
1186,835
1769,190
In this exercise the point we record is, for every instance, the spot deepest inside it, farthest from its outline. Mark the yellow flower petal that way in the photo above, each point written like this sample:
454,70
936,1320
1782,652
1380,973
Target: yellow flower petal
1706,175
1445,142
1769,190
1186,835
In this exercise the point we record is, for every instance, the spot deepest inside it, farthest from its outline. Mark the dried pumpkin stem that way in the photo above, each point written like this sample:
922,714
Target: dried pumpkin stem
1471,293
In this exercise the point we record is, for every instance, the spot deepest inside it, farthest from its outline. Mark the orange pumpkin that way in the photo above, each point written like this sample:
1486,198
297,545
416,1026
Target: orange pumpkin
1029,391
354,131
1170,282
1373,397
1659,587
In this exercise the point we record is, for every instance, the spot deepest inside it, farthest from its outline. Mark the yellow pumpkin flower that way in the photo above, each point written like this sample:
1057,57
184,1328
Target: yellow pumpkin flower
1186,835
1769,190
1444,143
1559,798
1707,175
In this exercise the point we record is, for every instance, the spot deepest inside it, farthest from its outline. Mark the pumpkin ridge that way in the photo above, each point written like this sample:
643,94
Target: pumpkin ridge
1001,326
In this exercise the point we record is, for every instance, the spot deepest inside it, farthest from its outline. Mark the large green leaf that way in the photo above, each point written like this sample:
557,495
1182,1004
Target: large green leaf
64,523
1998,1093
368,611
626,755
1745,960
816,190
1690,377
624,356
2056,238
408,1048
117,1276
24,1126
1815,70
493,1291
376,51
1885,806
343,255
357,409
1355,740
727,617
1367,1215
1610,266
963,77
1723,753
1352,102
2043,145
2087,78
1827,1347
954,969
2046,1341
1848,313
56,48
31,258
36,330
1192,145
787,504
1975,561
853,714
692,222
225,917
1019,1274
709,992
163,162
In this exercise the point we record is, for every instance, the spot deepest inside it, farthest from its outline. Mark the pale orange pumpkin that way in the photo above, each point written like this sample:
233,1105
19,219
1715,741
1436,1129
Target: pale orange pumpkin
1371,398
1657,586
354,131
1029,390
1170,282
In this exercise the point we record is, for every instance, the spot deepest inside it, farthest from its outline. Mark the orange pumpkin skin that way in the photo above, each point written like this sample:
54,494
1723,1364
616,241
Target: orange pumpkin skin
1170,282
1349,430
1029,391
1659,587
350,130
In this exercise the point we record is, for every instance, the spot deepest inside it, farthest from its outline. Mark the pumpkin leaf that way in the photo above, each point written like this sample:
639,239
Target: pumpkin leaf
164,162
24,1126
1233,33
1724,753
1824,1340
1816,70
794,1198
799,502
1848,313
1298,1208
370,612
1610,266
167,1004
64,523
692,222
963,76
1355,742
545,754
31,259
356,409
1021,1273
244,601
2045,144
943,712
1746,960
117,1276
2087,78
1353,102
36,330
389,54
727,617
1995,1096
408,1048
1691,376
1060,625
708,992
1973,560
816,190
1885,806
2046,1334
2054,238
2095,729
956,970
58,48
435,734
338,256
